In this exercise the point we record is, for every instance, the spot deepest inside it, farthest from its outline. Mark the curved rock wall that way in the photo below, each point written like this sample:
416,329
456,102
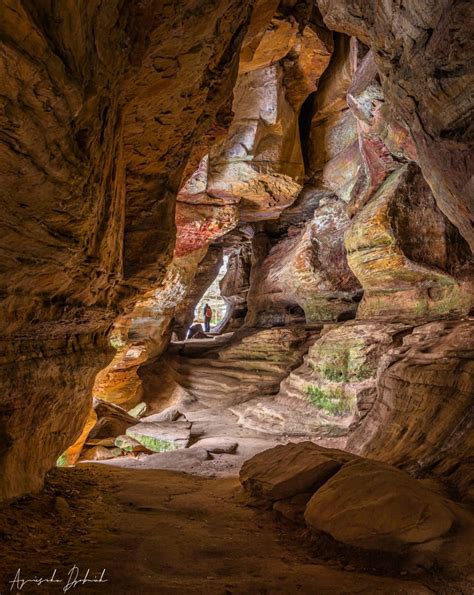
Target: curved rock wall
421,50
92,152
346,163
422,417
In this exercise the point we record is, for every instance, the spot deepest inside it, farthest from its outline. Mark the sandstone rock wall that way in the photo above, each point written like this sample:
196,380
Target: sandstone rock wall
250,364
409,258
422,417
98,115
421,51
308,268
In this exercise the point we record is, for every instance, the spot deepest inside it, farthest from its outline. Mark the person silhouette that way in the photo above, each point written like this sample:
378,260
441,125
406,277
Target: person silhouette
207,318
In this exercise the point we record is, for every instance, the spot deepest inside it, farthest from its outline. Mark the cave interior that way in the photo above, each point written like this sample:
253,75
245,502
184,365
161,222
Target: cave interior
307,168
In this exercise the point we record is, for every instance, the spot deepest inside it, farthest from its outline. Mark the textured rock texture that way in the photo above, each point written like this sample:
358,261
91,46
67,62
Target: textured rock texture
141,142
333,146
145,332
306,268
98,117
377,507
409,258
235,285
421,51
361,503
422,417
251,364
335,386
250,173
285,471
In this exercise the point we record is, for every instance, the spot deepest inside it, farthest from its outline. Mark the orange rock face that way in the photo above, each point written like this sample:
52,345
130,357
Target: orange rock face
142,141
99,111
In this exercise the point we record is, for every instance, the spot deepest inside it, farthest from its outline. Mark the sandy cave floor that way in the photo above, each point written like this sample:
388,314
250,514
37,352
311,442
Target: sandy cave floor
158,531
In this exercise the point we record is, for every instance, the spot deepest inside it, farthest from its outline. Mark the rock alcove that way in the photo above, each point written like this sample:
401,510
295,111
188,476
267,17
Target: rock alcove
322,151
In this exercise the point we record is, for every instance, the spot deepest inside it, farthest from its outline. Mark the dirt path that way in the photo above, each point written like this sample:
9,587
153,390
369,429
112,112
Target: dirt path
159,532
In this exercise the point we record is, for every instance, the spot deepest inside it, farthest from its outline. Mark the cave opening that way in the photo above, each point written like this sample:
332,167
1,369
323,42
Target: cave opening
213,299
270,164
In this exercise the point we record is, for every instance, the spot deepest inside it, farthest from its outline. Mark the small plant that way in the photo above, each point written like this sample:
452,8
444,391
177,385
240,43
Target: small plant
335,373
362,373
333,402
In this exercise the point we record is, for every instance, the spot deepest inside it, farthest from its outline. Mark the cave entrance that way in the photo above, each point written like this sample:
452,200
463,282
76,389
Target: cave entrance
212,297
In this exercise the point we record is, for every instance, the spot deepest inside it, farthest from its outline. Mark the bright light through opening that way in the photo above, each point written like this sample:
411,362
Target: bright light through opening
214,299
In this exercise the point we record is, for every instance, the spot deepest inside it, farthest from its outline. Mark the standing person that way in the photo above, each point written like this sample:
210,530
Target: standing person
207,318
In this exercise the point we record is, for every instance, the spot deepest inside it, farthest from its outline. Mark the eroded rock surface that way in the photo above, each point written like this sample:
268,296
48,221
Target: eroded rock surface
419,47
422,417
92,154
291,469
253,364
409,258
335,386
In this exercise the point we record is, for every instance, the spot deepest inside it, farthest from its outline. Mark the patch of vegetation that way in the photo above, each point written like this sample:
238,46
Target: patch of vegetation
62,460
155,444
362,373
335,373
116,343
333,402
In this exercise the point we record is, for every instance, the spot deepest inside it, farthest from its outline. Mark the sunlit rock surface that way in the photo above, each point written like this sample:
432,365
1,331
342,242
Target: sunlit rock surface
306,268
421,50
145,333
333,156
409,258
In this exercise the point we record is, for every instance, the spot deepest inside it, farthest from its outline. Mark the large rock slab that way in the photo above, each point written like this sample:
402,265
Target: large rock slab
112,420
374,506
161,437
422,414
217,445
290,469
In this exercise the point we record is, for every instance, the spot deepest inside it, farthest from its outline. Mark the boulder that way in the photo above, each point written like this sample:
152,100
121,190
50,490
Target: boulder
138,411
167,415
112,420
161,437
290,469
109,426
371,505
